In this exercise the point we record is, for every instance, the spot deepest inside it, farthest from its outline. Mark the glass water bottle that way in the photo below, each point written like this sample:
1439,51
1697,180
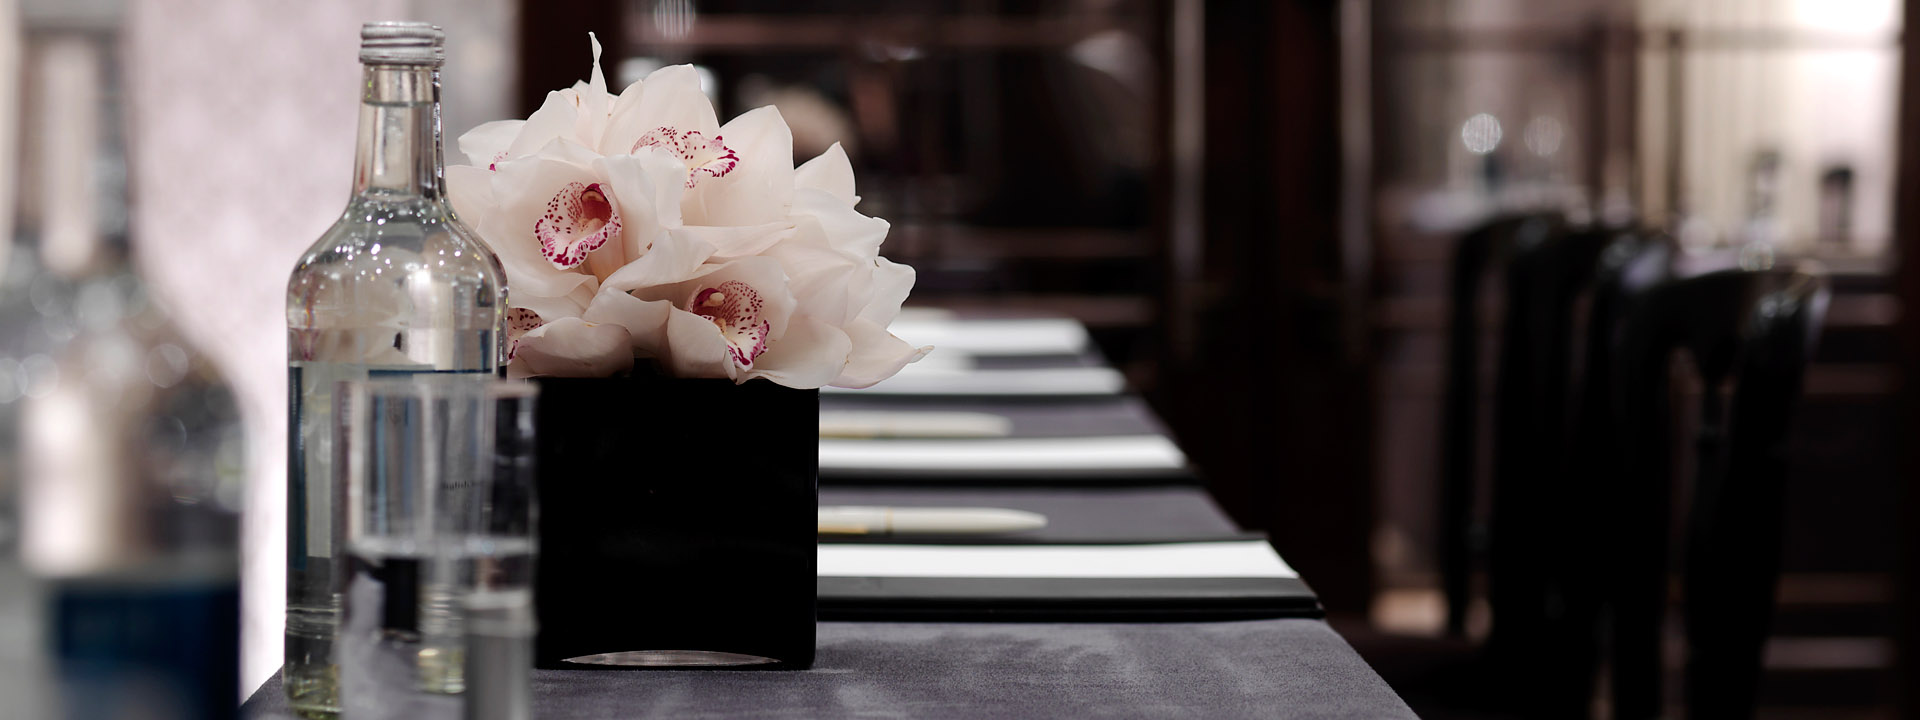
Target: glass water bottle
396,286
130,447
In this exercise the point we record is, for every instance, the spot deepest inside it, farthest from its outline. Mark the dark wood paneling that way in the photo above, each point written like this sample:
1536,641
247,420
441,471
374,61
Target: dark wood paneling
1272,405
1906,240
553,47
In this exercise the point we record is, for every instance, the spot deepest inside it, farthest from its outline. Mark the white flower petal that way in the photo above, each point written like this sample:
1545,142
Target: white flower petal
648,187
521,190
823,281
703,156
697,349
876,355
520,321
763,274
671,260
830,172
811,354
487,143
598,80
734,307
469,191
571,347
820,217
572,304
669,97
760,189
593,102
891,284
645,321
655,175
569,151
581,218
730,242
553,121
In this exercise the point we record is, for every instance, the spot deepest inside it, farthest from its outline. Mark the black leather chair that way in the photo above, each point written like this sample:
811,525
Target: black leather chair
1631,263
1543,521
1542,529
1478,252
1752,330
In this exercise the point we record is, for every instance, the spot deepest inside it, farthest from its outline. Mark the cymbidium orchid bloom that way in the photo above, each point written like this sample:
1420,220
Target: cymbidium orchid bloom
637,226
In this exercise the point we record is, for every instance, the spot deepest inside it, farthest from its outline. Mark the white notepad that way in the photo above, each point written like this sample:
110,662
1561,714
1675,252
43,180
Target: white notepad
912,424
1231,559
1089,456
995,337
1028,382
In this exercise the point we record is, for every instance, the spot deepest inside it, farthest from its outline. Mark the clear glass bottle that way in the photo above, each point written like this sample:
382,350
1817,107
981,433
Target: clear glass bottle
397,285
27,297
130,444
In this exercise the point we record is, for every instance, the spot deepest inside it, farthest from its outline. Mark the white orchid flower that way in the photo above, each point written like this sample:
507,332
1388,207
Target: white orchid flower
637,226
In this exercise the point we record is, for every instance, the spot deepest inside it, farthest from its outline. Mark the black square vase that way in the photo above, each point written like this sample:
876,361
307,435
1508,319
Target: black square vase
677,522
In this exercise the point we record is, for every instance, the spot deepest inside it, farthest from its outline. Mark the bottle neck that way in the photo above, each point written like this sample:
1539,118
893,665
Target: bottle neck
399,147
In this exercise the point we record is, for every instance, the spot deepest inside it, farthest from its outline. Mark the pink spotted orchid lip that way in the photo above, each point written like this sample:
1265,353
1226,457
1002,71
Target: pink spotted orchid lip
520,321
734,307
579,219
704,158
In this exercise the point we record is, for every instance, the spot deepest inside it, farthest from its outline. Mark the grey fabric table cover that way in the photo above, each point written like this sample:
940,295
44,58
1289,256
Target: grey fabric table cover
1263,669
1235,669
1285,668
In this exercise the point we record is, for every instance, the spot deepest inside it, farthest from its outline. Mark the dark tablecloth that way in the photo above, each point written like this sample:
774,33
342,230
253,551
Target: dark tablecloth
1284,668
1262,669
1237,669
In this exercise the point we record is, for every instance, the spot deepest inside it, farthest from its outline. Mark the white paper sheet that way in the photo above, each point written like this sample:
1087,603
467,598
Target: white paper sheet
995,337
1115,455
1232,559
1029,382
912,424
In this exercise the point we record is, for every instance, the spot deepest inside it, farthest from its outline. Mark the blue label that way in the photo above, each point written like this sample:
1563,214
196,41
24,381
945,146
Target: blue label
127,650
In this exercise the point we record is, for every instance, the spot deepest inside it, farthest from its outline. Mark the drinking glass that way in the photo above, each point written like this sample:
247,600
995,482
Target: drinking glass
440,546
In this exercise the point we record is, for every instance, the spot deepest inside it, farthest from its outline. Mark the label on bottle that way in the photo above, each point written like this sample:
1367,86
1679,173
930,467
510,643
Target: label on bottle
163,647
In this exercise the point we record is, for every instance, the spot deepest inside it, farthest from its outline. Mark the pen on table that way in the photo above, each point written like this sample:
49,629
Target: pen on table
874,520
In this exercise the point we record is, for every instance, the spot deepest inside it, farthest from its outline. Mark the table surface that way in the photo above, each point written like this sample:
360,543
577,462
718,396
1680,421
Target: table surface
1281,668
1236,669
1246,669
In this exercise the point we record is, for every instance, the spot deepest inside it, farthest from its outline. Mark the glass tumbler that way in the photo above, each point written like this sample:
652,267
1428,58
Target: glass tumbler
437,613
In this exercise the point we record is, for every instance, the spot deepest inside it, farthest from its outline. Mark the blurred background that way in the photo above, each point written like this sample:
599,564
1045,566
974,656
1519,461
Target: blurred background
1253,206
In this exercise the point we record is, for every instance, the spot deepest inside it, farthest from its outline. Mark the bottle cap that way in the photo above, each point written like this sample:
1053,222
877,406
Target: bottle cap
402,43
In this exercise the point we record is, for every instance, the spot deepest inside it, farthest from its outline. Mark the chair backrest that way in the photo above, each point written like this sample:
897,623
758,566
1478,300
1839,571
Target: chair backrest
1755,330
1476,253
1545,608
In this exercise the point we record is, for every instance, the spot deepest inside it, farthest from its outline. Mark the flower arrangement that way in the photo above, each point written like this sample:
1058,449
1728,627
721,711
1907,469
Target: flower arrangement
636,226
